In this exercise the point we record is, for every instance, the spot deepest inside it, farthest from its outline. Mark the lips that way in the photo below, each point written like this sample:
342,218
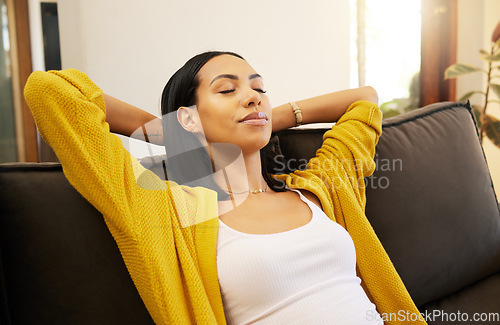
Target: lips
255,118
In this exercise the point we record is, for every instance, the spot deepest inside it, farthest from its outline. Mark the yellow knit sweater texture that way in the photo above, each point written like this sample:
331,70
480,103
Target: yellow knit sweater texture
167,234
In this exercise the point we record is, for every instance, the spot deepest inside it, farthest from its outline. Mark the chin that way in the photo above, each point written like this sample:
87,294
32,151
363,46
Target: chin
251,141
262,143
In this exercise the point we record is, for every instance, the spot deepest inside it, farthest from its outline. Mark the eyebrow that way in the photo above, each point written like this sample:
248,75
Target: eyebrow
234,77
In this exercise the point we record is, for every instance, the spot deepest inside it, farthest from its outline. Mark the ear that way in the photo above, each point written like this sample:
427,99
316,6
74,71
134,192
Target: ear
189,119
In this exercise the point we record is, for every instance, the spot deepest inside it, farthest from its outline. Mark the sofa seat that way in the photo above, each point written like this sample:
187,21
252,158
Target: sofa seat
476,300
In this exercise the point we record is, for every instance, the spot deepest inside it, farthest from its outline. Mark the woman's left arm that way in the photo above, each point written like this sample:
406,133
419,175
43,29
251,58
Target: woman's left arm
321,109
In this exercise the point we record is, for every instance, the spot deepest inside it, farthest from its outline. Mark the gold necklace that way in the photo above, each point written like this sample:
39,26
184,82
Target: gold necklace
257,191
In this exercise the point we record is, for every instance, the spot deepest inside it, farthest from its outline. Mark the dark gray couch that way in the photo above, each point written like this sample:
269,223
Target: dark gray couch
431,202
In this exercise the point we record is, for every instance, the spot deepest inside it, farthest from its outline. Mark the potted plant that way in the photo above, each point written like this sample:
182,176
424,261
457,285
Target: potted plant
488,125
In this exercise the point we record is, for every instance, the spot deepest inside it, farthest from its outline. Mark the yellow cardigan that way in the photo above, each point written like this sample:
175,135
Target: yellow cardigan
167,234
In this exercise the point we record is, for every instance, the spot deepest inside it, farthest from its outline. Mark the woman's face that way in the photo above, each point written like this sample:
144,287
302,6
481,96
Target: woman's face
232,104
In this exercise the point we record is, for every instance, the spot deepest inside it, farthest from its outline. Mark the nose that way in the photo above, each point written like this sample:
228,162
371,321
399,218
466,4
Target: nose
252,98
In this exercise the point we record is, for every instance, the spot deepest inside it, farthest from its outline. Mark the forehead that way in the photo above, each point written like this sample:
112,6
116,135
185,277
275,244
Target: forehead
225,64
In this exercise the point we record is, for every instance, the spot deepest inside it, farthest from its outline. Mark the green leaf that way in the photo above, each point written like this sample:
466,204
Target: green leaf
496,89
387,106
391,113
390,109
459,69
490,57
477,114
492,128
495,57
469,95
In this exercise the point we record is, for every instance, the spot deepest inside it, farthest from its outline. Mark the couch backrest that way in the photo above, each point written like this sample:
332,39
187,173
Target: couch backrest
431,199
60,263
442,198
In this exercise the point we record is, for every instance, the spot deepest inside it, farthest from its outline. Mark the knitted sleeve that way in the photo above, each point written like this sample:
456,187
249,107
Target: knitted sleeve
165,232
345,158
350,147
70,114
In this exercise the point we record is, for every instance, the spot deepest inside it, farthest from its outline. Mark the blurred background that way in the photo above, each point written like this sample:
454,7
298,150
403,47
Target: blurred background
131,47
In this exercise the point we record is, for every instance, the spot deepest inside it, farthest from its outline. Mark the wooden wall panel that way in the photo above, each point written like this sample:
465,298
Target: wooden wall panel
439,50
25,69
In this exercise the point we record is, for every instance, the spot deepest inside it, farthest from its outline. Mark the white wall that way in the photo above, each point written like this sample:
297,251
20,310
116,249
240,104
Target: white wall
131,47
476,21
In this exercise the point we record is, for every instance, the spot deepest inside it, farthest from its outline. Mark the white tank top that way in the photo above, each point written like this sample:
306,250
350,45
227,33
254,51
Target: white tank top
306,275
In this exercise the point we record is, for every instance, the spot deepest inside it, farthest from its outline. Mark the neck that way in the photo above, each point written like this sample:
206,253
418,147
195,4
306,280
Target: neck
254,171
233,165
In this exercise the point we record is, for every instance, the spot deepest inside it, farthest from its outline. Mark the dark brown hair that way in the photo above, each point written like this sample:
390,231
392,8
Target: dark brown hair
188,162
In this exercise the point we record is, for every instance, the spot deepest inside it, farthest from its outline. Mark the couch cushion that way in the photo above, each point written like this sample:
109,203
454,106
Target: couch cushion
61,264
437,192
478,304
431,200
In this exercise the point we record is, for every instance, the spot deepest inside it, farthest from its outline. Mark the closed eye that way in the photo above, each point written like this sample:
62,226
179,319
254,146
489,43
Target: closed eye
262,91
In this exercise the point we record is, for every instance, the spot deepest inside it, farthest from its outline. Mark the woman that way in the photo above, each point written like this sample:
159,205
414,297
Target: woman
235,245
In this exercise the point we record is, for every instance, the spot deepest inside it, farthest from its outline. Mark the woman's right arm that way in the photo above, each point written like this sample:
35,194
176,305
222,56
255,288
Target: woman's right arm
70,113
131,121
